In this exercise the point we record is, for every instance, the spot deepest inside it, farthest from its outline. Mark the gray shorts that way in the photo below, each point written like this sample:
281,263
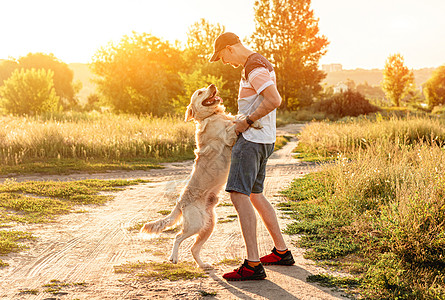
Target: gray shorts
248,166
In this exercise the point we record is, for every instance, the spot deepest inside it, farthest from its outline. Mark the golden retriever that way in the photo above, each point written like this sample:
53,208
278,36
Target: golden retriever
215,135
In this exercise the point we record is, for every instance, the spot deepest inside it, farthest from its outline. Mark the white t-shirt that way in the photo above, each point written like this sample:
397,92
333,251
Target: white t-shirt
258,74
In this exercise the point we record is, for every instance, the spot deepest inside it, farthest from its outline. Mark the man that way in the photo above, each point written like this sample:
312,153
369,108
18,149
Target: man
258,100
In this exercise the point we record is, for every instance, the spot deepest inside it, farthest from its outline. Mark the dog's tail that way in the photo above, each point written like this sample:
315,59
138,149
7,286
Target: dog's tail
159,225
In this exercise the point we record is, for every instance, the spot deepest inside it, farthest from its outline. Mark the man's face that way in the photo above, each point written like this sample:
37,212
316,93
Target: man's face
227,57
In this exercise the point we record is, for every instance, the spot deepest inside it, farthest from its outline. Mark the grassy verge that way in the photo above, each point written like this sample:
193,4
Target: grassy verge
305,154
299,116
327,139
92,142
42,201
281,141
379,214
69,165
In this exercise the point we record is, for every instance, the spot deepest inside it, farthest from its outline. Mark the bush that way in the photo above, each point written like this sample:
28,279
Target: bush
347,103
434,88
29,92
381,209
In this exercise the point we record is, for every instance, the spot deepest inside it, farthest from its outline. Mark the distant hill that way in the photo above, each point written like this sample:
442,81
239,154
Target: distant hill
373,77
83,74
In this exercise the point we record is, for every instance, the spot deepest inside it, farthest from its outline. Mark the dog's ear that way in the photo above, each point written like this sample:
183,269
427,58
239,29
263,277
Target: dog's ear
189,114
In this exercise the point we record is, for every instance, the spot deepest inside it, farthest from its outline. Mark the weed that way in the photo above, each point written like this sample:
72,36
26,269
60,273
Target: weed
225,221
29,292
159,271
225,204
230,261
9,241
55,286
205,293
332,281
281,141
136,227
173,229
378,210
164,212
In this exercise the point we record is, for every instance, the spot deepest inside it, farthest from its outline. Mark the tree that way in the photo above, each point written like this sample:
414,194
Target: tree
200,38
287,33
29,92
347,103
194,81
63,75
6,69
139,74
93,103
434,88
398,80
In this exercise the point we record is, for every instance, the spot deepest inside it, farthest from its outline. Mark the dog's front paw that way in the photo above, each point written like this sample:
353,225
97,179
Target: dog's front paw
257,125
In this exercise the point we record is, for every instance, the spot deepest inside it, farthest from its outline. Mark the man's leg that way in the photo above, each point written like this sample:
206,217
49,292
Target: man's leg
247,219
269,217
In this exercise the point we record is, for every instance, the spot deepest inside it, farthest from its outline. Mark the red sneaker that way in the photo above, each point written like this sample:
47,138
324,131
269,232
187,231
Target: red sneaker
246,272
276,258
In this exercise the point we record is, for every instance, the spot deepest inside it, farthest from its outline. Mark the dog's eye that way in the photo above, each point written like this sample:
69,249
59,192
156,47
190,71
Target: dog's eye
199,93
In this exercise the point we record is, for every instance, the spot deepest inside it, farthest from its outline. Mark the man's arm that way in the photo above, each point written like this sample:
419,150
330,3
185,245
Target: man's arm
272,100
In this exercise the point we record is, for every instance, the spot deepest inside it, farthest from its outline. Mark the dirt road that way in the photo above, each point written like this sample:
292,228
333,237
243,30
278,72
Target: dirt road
81,249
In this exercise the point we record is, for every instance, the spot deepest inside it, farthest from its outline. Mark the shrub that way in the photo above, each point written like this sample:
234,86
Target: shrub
29,92
434,88
382,207
347,103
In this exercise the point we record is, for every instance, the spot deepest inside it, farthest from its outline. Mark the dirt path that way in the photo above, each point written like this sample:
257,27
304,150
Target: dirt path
84,247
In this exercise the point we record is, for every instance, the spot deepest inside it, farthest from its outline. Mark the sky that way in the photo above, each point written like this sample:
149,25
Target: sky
362,33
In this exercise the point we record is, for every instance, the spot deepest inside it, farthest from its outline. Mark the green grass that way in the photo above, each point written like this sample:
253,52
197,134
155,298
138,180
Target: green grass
332,281
222,221
305,154
55,287
230,261
164,212
379,213
281,141
70,165
42,201
205,293
29,292
160,271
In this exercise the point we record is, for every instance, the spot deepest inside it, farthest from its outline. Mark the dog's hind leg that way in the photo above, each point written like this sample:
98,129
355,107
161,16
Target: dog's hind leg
192,224
203,236
206,231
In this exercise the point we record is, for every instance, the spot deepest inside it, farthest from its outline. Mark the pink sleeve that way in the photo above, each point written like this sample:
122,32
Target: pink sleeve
260,79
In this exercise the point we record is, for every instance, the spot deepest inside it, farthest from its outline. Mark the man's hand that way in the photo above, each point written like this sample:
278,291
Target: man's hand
241,126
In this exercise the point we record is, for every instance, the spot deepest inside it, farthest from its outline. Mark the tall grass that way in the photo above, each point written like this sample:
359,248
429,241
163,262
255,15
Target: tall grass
346,137
382,206
101,136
